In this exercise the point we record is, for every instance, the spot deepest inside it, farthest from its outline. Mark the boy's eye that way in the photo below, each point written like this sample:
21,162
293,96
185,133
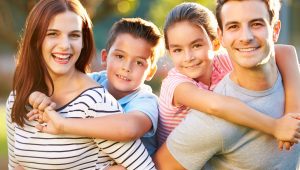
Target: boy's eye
176,50
119,56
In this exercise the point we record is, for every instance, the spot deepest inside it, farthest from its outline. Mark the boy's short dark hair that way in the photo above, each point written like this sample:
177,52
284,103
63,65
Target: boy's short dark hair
273,7
138,28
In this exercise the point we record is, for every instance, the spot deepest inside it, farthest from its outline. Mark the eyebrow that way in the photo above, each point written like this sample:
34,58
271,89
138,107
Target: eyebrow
56,30
194,41
141,57
253,20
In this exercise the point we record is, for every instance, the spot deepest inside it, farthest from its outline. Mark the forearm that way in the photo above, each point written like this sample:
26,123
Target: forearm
118,127
237,112
287,62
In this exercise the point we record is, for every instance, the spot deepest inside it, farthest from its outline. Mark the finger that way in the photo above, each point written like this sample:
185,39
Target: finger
280,145
287,145
32,115
39,127
44,103
32,97
53,105
37,101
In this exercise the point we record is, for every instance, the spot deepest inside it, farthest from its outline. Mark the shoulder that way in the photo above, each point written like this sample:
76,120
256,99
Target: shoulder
98,76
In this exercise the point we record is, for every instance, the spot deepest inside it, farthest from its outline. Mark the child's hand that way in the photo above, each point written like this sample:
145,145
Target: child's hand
54,122
287,128
286,145
39,100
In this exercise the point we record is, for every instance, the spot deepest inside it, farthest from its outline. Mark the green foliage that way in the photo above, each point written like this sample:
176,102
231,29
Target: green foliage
161,8
3,144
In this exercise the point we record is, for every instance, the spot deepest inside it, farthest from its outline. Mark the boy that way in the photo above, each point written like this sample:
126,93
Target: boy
133,47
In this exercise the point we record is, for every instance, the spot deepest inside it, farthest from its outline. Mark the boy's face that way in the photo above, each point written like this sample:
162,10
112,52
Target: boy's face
247,33
128,64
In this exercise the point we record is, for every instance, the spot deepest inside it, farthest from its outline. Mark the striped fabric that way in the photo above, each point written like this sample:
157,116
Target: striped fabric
35,150
170,116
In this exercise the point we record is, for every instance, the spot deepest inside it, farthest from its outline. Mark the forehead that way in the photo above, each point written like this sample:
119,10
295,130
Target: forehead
246,10
176,33
65,21
132,46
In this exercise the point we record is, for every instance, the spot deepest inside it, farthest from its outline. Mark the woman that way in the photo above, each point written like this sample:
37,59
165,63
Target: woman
53,56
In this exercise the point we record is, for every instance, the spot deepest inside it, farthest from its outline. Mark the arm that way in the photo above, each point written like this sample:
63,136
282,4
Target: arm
287,62
235,111
164,160
118,127
134,124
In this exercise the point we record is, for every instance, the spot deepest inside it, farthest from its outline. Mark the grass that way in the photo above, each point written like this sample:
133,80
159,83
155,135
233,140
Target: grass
3,144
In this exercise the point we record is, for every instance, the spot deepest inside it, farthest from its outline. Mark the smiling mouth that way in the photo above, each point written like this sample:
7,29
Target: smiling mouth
192,66
247,49
122,77
61,58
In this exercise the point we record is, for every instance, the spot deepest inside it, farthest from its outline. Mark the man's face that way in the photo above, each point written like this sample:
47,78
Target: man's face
247,33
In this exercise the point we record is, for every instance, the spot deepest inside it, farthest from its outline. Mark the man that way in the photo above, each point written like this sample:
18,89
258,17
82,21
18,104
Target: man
248,30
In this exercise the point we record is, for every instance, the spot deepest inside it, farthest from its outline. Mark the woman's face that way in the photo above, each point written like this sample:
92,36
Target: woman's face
63,43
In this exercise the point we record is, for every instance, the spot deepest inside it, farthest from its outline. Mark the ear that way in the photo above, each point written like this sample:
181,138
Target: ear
151,72
220,36
216,44
103,58
276,30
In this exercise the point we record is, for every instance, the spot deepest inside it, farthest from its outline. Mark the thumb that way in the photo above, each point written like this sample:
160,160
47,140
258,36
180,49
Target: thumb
40,127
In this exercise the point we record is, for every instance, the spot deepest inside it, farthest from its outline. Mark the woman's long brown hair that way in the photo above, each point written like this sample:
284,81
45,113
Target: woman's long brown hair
31,72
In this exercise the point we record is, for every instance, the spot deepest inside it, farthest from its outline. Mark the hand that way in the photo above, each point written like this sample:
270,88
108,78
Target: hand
286,145
39,100
54,122
287,128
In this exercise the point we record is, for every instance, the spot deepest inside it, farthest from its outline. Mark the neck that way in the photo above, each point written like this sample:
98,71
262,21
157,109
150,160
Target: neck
258,78
65,86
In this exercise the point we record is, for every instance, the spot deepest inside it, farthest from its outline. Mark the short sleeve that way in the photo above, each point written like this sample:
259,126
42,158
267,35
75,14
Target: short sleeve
148,104
195,140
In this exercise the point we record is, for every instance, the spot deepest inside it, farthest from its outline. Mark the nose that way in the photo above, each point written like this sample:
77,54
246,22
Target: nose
246,35
188,56
64,43
126,66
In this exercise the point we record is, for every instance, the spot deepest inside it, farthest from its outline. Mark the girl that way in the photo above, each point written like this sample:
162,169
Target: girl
53,56
197,71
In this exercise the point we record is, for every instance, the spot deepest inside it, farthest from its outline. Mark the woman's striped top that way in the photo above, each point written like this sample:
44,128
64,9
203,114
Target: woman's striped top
35,150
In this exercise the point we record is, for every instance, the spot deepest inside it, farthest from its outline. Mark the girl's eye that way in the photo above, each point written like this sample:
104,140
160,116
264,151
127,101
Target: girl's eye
140,63
196,45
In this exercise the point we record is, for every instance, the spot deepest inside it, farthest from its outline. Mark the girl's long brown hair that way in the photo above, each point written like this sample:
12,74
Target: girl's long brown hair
31,73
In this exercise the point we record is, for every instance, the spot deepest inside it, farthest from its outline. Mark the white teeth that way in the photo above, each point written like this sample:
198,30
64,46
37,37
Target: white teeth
246,49
122,77
62,55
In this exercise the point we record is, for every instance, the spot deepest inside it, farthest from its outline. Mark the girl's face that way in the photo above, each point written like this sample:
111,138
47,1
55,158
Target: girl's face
191,50
63,43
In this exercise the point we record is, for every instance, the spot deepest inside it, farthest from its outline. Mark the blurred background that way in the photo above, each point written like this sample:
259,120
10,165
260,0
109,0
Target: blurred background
104,13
